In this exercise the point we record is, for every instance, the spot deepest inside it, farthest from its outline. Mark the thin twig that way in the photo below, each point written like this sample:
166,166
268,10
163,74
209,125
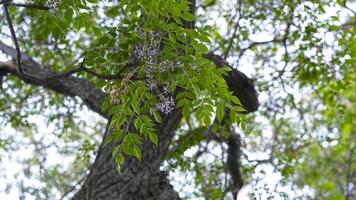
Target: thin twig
284,41
348,8
276,39
82,67
13,35
237,26
226,41
349,175
253,44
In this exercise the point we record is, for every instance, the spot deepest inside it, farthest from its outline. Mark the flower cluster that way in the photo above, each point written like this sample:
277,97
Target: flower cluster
54,5
167,102
169,66
166,105
115,91
148,53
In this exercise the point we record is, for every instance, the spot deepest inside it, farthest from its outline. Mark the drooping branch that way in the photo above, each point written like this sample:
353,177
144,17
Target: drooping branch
348,8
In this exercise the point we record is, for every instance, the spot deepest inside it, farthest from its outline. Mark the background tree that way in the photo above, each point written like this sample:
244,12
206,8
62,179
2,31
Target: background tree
162,75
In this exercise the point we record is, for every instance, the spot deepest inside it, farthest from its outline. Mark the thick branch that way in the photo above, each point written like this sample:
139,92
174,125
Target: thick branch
4,1
93,97
31,6
71,86
239,84
82,67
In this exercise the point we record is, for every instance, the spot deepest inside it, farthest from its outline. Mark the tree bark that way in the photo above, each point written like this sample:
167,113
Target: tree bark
67,85
138,179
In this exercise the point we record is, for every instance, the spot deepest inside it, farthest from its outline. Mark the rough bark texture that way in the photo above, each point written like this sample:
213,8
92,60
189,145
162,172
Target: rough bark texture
37,75
138,179
239,84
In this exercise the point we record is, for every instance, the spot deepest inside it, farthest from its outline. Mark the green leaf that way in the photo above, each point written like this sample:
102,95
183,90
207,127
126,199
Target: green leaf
117,135
188,16
235,100
172,37
135,105
153,137
220,112
207,121
137,152
106,104
156,115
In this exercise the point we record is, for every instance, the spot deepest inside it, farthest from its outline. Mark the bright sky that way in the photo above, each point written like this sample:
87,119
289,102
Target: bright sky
10,169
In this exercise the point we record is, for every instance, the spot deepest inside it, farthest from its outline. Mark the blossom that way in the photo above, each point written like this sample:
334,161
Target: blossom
166,106
54,5
165,90
140,32
151,85
139,53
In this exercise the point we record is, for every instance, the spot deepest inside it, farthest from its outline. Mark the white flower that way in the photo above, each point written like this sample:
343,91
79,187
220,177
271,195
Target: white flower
151,85
165,90
139,53
166,106
54,5
140,32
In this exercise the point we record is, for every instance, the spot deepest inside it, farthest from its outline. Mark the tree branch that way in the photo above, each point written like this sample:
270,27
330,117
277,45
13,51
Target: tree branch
31,6
349,175
237,26
82,67
241,86
4,1
13,35
253,44
71,86
348,8
239,83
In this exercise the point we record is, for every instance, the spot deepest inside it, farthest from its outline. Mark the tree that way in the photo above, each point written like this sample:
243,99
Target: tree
158,72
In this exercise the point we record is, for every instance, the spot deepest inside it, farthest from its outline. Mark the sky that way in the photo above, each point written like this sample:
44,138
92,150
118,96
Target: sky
10,169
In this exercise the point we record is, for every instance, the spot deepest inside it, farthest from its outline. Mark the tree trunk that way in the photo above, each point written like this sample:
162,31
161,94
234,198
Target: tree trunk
138,179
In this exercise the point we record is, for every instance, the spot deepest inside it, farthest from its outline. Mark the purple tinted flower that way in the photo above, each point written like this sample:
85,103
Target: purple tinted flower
54,5
150,84
166,106
140,32
152,51
139,53
165,90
